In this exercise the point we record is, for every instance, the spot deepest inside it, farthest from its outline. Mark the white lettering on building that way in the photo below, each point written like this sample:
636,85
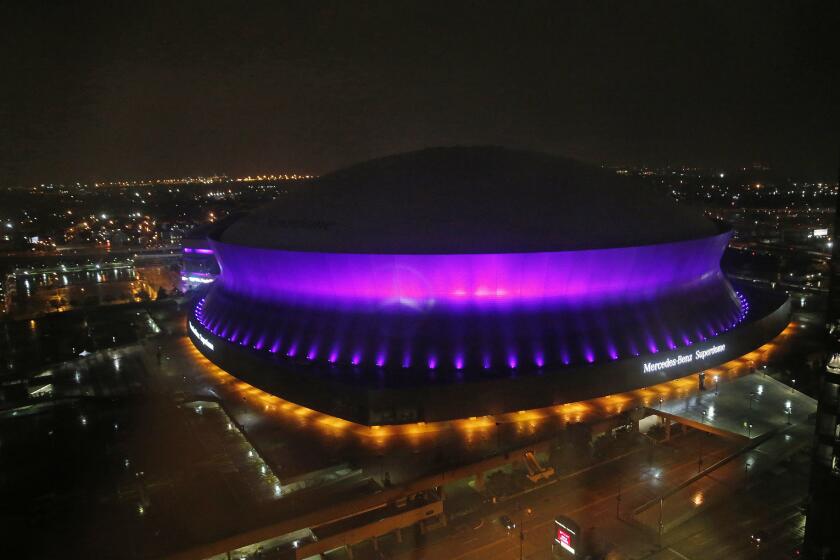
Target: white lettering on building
201,338
680,359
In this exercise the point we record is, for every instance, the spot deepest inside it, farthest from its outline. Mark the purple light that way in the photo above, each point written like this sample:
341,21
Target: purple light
556,318
199,251
564,356
503,278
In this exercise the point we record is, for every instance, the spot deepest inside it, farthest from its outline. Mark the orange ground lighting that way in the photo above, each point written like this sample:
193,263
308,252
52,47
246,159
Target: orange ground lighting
525,422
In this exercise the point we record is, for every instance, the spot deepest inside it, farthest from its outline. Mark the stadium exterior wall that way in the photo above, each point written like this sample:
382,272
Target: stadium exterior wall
318,387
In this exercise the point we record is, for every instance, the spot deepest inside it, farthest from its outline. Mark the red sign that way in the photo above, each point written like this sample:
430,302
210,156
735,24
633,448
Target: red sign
565,540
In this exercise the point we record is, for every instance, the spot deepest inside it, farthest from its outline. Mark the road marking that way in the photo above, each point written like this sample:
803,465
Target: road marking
683,556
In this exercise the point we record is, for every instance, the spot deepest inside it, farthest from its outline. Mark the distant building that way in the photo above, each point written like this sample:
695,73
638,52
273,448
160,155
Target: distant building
198,266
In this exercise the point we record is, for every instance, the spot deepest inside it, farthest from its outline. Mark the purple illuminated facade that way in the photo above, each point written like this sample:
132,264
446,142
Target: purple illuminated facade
466,312
318,325
513,279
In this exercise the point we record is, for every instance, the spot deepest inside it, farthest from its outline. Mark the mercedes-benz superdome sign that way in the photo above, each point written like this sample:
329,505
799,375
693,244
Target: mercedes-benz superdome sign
680,359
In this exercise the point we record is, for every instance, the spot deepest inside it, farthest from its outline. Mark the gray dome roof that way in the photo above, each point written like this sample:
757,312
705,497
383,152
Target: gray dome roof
468,200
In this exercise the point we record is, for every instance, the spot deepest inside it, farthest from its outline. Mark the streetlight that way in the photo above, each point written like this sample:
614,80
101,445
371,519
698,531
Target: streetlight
717,378
661,524
528,511
788,411
792,385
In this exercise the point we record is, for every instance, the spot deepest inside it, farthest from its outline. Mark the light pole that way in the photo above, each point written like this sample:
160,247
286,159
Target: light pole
661,526
788,411
528,511
618,500
792,385
717,378
700,448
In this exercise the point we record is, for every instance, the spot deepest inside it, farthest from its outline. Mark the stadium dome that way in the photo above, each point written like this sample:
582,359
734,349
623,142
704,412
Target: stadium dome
469,200
457,282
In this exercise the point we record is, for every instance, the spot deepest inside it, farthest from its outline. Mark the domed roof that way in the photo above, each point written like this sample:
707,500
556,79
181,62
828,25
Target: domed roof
468,200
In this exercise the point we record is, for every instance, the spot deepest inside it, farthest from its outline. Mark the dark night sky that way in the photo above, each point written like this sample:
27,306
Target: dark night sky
100,91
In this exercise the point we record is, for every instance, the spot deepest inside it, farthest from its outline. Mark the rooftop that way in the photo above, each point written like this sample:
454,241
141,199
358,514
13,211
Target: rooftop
469,200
